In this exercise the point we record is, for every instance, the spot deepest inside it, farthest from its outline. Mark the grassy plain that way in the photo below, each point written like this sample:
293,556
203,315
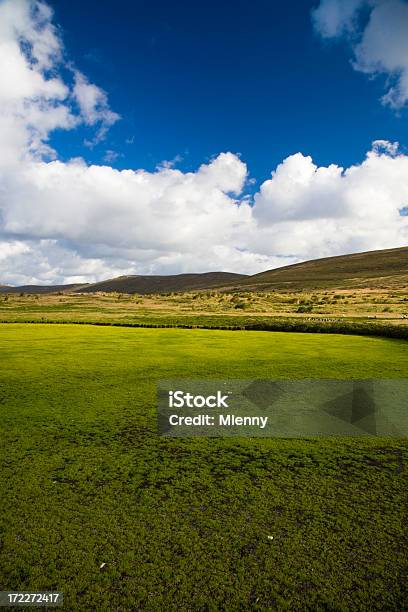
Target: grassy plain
184,524
368,305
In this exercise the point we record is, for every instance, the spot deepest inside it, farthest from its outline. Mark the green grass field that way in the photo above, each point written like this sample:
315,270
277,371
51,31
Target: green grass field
184,524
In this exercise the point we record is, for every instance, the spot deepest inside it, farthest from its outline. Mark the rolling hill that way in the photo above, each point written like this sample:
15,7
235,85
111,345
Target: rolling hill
163,284
139,284
376,269
385,268
32,289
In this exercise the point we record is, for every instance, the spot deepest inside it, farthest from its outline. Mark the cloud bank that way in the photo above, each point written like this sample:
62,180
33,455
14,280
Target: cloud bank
379,40
74,222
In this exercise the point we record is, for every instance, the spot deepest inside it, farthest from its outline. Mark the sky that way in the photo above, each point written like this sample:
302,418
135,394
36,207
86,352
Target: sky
160,138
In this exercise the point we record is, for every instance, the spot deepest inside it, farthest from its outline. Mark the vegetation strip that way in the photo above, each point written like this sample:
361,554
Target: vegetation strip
386,331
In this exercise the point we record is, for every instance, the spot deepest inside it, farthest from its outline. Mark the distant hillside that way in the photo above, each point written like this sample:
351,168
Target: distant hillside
370,269
376,269
164,284
39,288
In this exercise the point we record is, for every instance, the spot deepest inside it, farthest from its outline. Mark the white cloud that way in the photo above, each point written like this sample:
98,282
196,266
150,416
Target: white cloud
95,221
380,44
34,99
111,156
334,18
93,106
107,206
167,163
74,222
312,211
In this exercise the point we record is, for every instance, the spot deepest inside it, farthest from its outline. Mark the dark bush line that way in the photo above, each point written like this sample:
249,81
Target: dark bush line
360,329
337,327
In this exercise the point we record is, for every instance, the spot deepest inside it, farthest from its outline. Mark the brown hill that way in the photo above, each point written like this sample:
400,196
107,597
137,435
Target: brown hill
377,269
30,289
164,284
385,268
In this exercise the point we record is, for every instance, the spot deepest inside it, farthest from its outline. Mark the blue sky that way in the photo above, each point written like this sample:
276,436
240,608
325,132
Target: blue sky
190,80
140,138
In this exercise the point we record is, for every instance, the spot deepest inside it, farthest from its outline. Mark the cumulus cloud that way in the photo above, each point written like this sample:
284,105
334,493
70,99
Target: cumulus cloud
331,210
126,209
34,99
74,222
379,42
70,221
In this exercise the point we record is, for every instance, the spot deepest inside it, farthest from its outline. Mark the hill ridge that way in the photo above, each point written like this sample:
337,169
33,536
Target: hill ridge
387,267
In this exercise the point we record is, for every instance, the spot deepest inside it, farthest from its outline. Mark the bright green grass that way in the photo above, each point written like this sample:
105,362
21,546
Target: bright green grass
183,524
